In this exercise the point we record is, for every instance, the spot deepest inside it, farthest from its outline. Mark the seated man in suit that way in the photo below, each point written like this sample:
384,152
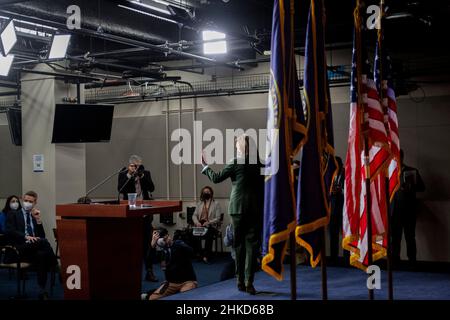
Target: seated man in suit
25,231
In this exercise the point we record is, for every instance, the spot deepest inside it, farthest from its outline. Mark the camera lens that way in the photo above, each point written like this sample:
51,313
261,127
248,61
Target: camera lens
161,242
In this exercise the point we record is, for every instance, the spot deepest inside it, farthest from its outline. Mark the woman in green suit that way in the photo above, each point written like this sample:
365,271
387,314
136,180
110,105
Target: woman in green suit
245,209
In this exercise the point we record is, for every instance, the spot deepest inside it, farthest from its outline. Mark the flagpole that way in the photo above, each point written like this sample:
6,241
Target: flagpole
324,267
366,141
368,208
389,245
388,204
292,244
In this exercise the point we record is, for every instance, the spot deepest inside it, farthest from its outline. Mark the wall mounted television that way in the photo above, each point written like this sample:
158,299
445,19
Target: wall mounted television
82,123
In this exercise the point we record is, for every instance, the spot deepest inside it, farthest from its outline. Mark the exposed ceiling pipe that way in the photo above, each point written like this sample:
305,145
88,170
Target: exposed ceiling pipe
100,14
194,119
154,75
119,83
8,2
61,75
8,93
122,40
8,84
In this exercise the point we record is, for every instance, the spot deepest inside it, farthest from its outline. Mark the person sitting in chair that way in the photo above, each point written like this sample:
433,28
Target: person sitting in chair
12,203
25,230
207,215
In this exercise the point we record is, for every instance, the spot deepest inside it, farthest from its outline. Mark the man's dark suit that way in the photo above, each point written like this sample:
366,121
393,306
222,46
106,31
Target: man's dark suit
128,185
39,253
125,186
404,212
337,205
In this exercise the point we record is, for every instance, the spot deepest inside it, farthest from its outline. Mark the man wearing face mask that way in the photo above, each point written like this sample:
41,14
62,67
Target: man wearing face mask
179,272
207,214
25,230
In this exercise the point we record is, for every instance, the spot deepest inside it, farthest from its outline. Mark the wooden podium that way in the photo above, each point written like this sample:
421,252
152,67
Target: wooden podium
100,245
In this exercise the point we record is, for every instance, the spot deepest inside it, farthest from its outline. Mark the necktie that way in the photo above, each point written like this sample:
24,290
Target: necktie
29,228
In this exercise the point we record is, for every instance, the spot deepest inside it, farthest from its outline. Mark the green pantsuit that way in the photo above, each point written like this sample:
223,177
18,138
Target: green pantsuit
247,242
246,211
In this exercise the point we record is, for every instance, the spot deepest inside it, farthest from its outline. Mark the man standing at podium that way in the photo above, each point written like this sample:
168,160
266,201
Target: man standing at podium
138,180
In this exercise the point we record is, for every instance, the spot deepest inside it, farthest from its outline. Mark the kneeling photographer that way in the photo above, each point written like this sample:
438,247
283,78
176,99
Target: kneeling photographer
179,272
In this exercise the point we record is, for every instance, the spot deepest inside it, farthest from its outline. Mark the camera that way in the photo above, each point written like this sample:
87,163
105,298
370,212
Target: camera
140,169
161,242
161,235
162,232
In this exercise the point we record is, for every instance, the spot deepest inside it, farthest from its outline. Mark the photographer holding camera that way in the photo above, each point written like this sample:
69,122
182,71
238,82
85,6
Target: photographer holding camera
139,180
179,272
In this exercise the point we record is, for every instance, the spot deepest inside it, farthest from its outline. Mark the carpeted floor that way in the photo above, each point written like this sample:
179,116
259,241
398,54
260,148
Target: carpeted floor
206,274
343,284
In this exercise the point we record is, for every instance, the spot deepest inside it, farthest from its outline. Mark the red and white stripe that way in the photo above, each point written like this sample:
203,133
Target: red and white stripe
355,211
390,107
379,219
353,174
378,138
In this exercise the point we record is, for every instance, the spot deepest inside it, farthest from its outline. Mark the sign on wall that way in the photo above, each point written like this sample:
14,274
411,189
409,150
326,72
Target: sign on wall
38,163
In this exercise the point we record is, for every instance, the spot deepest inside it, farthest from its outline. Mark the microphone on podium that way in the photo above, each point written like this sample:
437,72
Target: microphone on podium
85,199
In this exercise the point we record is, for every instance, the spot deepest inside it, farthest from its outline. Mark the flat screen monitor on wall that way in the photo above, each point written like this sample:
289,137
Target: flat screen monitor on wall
15,125
80,123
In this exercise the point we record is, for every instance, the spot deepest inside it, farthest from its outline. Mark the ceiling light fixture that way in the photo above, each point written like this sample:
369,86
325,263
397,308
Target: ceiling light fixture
214,47
60,43
5,64
8,38
159,6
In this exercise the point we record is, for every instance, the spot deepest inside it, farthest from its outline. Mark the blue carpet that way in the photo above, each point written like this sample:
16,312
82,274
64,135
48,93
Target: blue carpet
343,284
206,275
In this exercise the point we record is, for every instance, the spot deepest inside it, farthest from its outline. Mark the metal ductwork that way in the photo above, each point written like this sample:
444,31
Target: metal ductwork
101,15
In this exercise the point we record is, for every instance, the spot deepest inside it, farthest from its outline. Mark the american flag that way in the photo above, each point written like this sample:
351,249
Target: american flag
366,117
383,68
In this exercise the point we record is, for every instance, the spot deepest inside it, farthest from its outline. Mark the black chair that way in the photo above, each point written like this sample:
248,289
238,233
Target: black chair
189,213
58,257
218,237
55,235
10,259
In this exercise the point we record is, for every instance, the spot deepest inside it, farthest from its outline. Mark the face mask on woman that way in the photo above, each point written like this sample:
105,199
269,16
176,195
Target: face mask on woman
206,196
14,205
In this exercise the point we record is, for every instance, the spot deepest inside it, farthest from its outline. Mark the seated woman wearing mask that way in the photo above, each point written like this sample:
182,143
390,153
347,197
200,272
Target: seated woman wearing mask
207,214
12,203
